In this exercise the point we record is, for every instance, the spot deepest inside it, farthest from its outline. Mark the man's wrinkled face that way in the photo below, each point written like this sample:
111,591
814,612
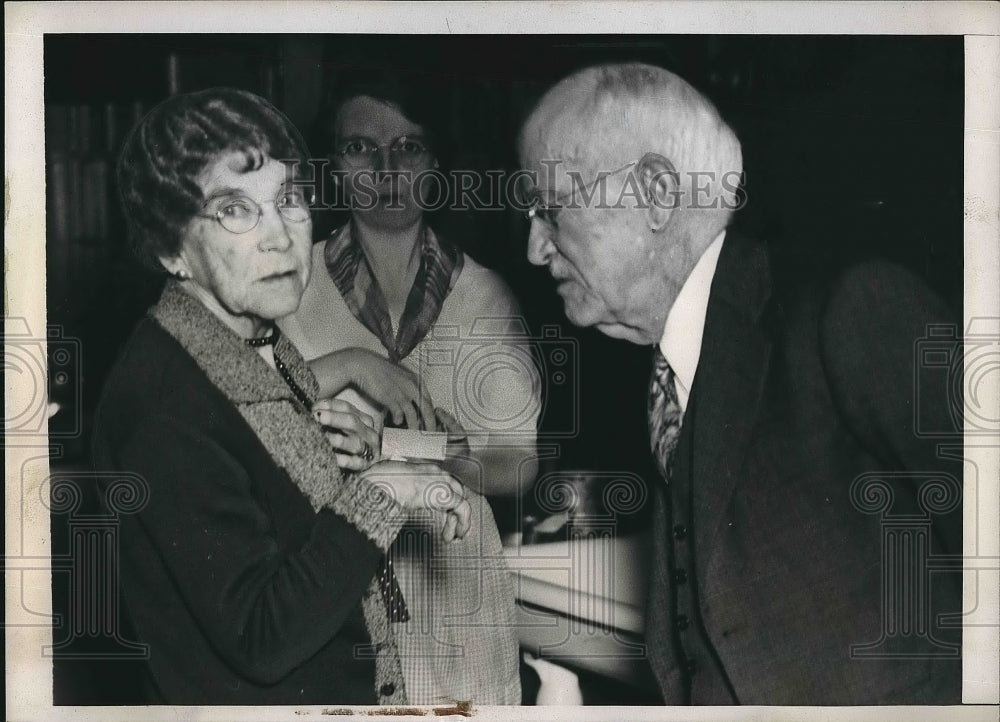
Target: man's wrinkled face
599,252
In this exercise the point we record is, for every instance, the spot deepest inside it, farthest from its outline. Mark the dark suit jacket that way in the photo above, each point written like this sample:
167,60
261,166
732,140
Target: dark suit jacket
243,593
796,586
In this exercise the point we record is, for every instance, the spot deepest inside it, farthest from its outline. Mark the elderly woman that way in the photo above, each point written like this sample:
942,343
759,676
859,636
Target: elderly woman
256,573
404,301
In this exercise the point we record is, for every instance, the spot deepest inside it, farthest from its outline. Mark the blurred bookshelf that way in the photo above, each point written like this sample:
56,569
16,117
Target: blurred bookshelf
84,235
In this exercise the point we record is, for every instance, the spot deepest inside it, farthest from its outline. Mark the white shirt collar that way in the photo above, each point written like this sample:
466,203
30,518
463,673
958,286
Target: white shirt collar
685,326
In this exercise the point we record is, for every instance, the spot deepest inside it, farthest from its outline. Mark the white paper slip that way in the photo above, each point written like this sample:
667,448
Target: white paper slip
413,444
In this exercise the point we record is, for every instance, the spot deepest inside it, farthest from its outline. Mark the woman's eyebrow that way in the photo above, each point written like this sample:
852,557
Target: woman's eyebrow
413,136
223,192
291,180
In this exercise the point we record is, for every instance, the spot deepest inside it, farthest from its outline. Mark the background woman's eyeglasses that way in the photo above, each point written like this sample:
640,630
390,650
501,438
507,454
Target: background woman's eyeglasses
239,214
406,151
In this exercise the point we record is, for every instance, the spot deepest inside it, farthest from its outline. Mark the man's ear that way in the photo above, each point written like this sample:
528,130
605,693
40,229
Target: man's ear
661,184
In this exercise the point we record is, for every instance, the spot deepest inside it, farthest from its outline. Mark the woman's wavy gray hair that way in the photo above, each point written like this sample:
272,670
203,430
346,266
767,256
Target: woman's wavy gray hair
171,146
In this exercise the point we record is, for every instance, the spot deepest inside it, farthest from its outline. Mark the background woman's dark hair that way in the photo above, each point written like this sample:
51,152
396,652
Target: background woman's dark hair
172,145
418,96
422,97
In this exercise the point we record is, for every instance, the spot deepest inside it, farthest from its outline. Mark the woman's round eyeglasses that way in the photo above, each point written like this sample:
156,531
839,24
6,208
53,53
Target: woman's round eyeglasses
239,214
406,151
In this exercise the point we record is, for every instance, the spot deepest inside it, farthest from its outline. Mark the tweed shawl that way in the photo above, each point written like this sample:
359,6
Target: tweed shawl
296,444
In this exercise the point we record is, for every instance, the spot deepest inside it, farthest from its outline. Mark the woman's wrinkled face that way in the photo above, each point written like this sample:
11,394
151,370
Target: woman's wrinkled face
251,278
390,187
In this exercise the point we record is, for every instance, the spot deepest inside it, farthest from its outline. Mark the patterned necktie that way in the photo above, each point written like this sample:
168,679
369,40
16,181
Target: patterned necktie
664,413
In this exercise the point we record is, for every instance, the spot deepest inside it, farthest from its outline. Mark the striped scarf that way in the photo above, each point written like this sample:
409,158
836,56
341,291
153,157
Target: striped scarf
440,266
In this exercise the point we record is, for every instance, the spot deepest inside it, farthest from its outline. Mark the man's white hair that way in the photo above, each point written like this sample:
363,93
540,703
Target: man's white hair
607,115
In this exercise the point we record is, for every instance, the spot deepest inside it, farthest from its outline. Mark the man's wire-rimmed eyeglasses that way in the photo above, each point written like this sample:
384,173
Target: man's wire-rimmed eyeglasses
533,205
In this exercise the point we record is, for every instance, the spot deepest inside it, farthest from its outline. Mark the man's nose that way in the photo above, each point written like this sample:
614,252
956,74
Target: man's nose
540,243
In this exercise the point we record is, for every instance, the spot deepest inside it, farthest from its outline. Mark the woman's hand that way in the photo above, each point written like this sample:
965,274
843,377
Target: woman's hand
458,461
458,437
393,387
350,432
419,486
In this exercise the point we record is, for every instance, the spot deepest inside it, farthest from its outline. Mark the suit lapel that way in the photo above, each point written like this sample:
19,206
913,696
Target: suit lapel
728,384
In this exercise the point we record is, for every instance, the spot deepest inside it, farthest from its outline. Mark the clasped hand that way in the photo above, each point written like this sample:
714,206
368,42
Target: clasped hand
425,486
416,486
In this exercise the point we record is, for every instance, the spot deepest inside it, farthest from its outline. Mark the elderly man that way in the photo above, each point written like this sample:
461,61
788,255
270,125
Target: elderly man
781,417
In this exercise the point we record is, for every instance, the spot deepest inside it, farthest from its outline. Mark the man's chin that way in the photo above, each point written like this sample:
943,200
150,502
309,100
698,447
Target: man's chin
577,318
585,317
624,333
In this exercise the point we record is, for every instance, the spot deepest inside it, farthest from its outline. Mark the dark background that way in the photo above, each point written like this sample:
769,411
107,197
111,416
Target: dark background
852,148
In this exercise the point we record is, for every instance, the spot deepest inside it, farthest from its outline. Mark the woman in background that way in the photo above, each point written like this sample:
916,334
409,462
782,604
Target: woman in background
391,294
256,570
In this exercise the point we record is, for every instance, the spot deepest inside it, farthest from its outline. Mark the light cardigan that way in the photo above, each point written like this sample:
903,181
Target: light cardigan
207,500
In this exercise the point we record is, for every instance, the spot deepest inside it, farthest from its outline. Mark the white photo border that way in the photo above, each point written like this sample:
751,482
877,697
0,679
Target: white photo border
29,675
